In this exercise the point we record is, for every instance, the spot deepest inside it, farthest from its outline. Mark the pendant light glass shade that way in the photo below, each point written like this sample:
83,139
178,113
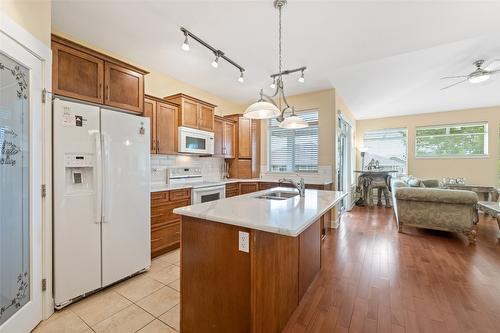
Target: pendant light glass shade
293,122
261,110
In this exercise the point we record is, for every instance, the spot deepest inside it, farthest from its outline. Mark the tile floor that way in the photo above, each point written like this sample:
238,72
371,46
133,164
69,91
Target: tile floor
147,303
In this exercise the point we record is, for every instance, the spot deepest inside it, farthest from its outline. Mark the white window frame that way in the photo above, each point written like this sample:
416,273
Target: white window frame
393,129
452,156
269,142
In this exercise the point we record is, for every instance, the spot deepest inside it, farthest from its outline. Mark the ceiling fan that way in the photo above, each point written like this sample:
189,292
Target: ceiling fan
479,75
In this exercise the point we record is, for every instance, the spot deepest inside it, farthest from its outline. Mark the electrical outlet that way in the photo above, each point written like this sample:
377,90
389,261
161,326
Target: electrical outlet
244,241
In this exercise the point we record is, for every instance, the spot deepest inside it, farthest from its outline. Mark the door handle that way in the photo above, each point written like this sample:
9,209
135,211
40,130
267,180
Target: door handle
106,209
98,178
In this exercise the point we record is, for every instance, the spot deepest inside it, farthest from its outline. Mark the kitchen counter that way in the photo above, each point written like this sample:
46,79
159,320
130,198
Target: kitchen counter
285,217
168,187
246,262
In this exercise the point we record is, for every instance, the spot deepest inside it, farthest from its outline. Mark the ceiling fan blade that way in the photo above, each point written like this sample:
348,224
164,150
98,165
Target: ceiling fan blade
493,65
454,84
453,77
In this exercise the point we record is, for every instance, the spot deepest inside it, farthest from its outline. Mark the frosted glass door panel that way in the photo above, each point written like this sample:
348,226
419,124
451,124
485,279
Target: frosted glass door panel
14,188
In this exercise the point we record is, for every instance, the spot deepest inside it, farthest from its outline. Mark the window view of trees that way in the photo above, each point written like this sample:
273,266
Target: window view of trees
452,140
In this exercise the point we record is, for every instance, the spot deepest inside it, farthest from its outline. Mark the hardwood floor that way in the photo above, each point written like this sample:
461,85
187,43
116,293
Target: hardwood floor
377,280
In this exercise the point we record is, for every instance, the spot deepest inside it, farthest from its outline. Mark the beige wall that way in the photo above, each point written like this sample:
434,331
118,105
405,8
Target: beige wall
32,15
481,171
160,85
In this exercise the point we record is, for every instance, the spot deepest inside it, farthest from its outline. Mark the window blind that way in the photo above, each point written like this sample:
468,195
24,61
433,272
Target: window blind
387,147
294,150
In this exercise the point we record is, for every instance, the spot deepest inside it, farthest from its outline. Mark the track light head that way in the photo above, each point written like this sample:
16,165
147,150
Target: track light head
215,63
301,78
273,85
241,79
185,45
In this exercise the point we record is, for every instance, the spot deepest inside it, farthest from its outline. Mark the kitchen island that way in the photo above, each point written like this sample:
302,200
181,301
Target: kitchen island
246,261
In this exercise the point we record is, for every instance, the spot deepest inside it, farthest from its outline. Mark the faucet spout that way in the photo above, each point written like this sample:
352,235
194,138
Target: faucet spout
300,185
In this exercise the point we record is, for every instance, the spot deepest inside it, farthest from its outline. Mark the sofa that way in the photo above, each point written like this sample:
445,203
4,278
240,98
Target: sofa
423,204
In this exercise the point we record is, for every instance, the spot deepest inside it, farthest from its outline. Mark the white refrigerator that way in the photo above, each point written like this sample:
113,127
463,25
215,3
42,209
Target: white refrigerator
101,165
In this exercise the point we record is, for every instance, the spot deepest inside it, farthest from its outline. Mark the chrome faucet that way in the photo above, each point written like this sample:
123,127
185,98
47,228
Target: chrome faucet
300,185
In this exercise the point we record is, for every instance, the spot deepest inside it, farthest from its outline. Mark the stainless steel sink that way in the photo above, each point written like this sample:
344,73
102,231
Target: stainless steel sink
278,195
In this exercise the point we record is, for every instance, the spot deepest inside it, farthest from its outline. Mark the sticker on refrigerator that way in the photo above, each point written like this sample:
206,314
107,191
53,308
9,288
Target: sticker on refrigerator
67,118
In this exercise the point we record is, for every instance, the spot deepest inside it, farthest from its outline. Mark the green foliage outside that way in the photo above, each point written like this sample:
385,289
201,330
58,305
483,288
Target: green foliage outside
451,141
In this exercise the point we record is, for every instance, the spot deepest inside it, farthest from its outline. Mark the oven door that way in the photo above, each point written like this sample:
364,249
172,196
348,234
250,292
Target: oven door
205,194
195,141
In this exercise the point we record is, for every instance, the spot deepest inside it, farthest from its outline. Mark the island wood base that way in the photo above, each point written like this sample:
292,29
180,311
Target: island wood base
227,290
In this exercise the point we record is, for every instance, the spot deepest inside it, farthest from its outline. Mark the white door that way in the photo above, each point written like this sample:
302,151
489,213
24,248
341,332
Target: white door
77,200
20,184
126,238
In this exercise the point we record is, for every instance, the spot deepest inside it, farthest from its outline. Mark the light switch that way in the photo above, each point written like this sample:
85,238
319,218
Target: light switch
244,241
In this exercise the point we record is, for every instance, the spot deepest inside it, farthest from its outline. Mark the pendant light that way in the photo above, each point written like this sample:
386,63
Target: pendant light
266,107
293,121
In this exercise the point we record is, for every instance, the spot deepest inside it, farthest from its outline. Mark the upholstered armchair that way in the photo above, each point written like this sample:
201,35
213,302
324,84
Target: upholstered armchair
434,208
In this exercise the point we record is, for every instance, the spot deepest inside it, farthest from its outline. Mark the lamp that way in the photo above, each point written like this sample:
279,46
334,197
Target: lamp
362,150
241,79
270,109
185,45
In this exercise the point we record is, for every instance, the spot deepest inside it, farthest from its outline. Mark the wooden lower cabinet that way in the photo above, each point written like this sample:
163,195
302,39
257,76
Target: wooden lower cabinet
165,225
248,187
232,190
227,290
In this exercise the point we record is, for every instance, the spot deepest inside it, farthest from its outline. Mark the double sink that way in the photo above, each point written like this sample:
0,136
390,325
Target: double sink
278,195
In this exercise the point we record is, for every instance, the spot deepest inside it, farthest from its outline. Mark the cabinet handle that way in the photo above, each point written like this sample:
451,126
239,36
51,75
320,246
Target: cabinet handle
158,144
107,92
99,92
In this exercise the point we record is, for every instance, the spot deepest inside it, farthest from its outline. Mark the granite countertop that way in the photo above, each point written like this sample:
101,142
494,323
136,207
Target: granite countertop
286,217
168,187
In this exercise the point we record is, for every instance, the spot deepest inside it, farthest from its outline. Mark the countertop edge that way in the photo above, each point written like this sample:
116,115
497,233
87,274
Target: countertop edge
285,232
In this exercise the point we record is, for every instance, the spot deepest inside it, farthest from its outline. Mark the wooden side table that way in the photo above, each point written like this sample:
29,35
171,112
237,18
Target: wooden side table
486,193
491,208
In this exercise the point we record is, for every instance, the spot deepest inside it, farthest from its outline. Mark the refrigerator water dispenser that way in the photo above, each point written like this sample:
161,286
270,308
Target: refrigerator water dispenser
79,169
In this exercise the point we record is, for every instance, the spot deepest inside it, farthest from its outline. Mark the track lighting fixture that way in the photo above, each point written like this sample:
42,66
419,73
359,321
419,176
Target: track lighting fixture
215,63
218,53
301,78
185,45
273,85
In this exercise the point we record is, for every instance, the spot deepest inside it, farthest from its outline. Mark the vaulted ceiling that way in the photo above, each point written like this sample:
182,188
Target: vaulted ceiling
385,58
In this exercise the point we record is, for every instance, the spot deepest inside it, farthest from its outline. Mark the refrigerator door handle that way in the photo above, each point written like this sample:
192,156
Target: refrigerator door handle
106,210
98,178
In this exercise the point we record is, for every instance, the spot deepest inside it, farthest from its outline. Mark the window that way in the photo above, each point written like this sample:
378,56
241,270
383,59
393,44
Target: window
387,148
294,150
462,140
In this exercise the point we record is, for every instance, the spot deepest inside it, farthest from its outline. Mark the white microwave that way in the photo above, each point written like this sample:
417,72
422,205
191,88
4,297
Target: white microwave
195,141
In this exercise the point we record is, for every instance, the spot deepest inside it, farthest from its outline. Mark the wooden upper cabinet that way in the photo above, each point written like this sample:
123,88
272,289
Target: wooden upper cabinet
163,122
218,136
77,74
150,112
206,117
229,134
189,114
224,137
124,88
245,138
194,113
166,128
82,73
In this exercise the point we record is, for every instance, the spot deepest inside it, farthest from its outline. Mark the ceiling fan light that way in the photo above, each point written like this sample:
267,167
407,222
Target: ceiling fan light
261,110
293,122
479,78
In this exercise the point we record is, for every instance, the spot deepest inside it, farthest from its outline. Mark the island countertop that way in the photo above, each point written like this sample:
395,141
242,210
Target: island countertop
288,217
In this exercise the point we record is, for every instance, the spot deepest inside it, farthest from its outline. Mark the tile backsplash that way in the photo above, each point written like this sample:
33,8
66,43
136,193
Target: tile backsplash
212,167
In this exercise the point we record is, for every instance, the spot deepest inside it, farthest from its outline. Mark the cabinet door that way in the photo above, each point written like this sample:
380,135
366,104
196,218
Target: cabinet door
219,137
124,88
206,118
77,74
166,128
255,143
228,148
248,187
150,112
189,114
245,138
